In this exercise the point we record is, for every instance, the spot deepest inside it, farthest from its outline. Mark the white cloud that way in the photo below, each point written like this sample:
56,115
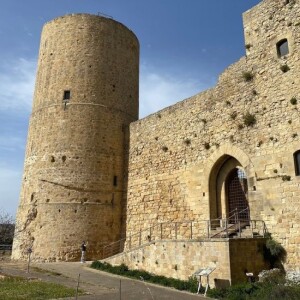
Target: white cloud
159,89
16,85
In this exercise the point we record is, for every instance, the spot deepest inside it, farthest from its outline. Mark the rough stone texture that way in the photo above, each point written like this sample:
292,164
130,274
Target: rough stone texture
75,148
181,259
179,158
177,155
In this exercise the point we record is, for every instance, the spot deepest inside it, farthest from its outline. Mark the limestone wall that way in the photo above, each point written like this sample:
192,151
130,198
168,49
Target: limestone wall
73,183
176,154
181,259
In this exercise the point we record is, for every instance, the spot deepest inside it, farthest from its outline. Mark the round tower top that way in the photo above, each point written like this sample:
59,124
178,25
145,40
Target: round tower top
93,17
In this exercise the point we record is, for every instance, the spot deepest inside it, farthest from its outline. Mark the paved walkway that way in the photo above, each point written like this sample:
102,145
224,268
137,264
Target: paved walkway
99,285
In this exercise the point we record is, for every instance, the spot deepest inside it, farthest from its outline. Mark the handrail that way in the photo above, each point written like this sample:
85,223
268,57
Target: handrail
184,230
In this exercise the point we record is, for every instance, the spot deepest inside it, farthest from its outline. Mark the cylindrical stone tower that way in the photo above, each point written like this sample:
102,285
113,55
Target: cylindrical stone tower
86,95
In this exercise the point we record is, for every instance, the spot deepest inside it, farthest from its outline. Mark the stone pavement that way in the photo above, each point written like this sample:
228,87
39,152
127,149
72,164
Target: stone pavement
98,285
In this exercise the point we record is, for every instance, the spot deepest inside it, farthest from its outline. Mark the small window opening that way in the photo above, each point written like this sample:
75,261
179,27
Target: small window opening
282,48
67,95
115,180
297,162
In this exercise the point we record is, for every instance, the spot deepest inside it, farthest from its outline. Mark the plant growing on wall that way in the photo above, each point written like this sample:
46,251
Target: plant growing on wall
233,115
274,252
248,76
286,178
293,101
248,46
206,146
249,119
284,68
187,142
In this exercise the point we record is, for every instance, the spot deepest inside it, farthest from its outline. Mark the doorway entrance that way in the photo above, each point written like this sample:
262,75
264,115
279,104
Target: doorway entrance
236,193
228,190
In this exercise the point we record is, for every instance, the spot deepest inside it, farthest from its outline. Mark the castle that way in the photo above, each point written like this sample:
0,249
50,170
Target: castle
173,187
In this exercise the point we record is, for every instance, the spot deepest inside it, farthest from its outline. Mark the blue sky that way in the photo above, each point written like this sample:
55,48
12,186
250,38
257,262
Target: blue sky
184,46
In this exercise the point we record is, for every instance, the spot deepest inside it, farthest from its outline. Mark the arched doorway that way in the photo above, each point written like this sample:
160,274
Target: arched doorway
237,195
228,190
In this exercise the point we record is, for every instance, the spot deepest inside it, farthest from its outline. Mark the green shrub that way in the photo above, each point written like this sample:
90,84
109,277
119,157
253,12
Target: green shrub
255,291
189,285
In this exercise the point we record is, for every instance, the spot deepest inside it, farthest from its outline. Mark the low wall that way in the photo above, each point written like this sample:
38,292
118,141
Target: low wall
180,259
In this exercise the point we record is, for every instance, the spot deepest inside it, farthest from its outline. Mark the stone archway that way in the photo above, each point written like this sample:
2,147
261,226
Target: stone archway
228,188
218,166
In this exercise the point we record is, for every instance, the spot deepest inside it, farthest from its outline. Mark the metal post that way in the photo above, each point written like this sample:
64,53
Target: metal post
226,227
77,286
240,234
208,228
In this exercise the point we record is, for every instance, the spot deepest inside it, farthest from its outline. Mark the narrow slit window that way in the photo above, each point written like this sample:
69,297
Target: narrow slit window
297,162
282,48
67,95
115,180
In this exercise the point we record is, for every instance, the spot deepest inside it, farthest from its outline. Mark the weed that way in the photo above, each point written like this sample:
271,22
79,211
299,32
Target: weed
248,76
284,68
286,178
187,142
249,119
207,146
233,115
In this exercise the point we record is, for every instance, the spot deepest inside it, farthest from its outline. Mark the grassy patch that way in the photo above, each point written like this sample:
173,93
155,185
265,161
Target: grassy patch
190,285
17,288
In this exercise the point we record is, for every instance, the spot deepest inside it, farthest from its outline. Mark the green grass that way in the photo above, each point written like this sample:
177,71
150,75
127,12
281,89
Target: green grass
190,285
17,288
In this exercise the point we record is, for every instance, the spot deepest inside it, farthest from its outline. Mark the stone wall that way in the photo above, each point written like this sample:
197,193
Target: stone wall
181,259
73,184
176,154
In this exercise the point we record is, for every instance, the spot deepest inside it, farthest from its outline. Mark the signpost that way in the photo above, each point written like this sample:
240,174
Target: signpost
203,272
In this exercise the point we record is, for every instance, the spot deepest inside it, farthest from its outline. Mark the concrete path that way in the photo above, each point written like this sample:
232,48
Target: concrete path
99,285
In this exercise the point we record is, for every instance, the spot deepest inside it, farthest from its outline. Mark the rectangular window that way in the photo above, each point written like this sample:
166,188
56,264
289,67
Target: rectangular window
67,95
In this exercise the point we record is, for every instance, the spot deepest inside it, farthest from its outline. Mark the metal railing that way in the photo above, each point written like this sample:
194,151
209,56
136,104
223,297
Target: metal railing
188,230
5,247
